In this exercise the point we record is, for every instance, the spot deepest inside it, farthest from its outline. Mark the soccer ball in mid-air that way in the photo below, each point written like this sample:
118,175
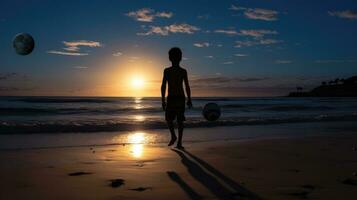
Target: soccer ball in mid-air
211,111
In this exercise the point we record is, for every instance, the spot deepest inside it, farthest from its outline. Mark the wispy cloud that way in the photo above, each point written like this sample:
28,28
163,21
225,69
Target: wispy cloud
13,89
258,32
261,14
209,57
336,61
249,43
201,45
72,48
257,13
269,41
227,32
224,80
6,76
283,61
228,63
247,32
77,44
246,43
347,14
80,67
206,16
237,8
67,53
148,15
240,55
117,54
174,28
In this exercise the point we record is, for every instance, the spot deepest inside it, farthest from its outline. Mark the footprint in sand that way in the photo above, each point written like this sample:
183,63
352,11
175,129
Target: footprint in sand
301,192
349,181
115,183
141,189
79,173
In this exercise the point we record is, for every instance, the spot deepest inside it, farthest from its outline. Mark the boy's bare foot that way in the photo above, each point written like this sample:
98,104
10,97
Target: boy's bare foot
172,141
180,147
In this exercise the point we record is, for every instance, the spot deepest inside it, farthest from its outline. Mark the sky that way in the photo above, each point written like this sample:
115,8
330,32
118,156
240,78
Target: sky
230,48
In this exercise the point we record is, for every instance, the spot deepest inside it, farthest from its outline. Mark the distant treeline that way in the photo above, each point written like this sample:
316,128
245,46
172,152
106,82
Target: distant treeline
333,88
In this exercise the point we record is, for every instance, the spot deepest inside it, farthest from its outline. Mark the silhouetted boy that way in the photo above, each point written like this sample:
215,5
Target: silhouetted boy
174,107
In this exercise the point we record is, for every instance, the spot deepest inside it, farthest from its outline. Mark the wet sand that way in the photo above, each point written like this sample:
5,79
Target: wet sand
314,167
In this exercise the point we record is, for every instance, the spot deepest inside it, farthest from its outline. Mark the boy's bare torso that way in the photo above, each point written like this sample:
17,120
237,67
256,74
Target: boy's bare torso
175,77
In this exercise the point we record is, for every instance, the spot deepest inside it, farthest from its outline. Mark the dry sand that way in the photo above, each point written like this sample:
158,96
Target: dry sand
321,167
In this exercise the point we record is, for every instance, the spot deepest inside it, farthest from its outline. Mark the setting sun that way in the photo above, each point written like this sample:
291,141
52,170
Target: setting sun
137,82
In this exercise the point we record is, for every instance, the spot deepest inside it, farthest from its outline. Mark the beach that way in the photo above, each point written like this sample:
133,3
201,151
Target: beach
320,163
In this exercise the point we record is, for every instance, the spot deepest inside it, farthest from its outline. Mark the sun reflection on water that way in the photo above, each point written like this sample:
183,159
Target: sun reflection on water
139,117
138,107
138,100
137,147
137,150
136,138
134,143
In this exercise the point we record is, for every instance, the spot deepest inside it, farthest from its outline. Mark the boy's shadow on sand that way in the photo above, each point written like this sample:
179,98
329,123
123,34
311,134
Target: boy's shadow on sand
212,179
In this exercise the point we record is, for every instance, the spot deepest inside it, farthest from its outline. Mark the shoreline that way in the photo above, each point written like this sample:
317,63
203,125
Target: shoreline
161,136
318,167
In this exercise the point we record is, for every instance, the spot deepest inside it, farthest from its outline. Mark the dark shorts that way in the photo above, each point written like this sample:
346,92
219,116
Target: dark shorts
175,108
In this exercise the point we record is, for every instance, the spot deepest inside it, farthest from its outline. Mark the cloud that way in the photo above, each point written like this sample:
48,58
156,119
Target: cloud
252,32
156,30
257,13
201,45
205,17
269,41
240,55
183,28
67,53
227,32
174,28
209,57
224,80
72,48
80,67
237,8
134,58
283,61
13,89
117,54
347,14
249,43
261,14
74,45
6,76
246,43
228,63
148,15
336,61
258,33
164,14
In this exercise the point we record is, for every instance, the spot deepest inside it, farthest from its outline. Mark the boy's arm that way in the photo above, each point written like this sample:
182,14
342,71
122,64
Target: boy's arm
188,91
163,91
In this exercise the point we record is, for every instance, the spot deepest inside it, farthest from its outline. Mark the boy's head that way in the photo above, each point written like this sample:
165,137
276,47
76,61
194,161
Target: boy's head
175,55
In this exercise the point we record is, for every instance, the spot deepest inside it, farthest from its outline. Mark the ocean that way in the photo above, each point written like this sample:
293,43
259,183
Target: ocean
51,115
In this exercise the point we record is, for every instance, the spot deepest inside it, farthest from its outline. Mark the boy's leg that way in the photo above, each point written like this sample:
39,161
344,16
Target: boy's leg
180,119
180,132
171,126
